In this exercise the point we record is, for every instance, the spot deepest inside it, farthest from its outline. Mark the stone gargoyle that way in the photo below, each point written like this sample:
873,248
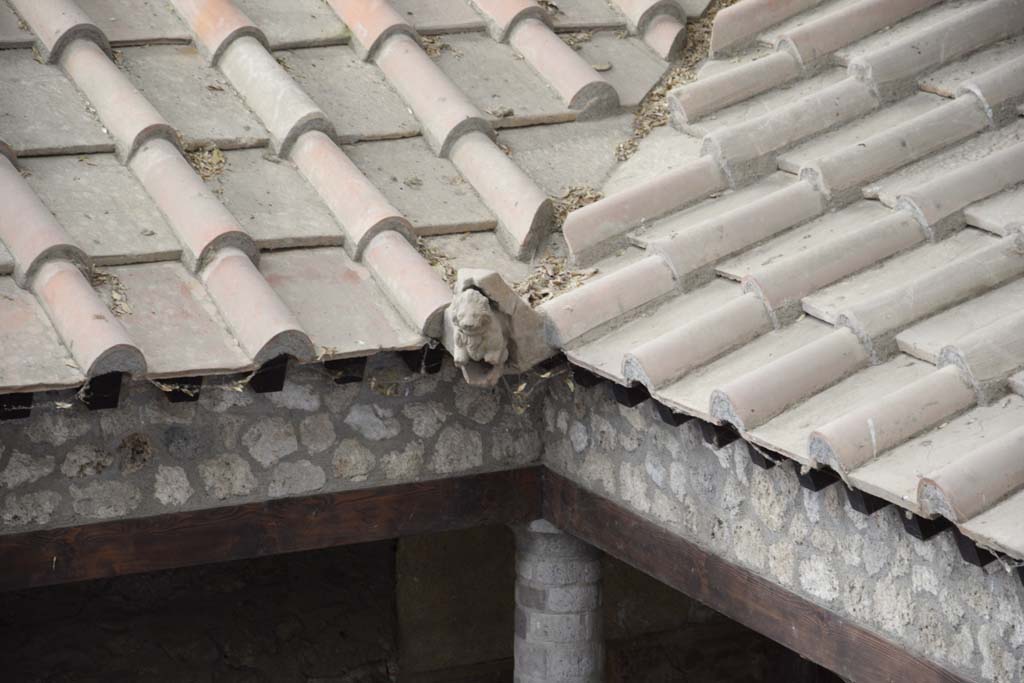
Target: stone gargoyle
490,330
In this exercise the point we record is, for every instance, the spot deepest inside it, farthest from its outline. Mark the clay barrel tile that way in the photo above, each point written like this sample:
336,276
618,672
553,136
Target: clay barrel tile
573,78
989,355
598,302
841,173
739,24
977,481
503,16
753,399
359,206
523,211
283,107
29,230
371,22
597,229
1000,90
96,339
263,325
57,23
199,220
782,283
892,70
703,244
417,290
950,192
746,150
444,111
216,24
854,439
820,37
879,318
666,35
640,13
664,359
693,101
129,116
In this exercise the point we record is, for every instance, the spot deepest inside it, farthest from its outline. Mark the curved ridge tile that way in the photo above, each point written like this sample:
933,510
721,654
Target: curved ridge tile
361,209
197,217
640,13
697,341
445,112
598,229
96,339
283,107
29,231
978,481
856,438
523,211
1000,90
58,23
129,116
416,289
263,325
666,35
502,16
739,24
988,356
753,399
841,172
216,24
877,320
892,70
574,79
598,302
693,250
372,22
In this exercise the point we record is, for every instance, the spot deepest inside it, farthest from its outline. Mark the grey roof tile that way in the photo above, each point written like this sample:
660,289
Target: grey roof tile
428,190
999,213
296,23
273,202
499,83
48,116
136,22
194,98
565,155
165,305
354,94
103,207
431,17
573,15
33,356
946,80
12,34
625,62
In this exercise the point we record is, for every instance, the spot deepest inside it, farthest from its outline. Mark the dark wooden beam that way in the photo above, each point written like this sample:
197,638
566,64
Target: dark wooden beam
717,436
630,396
269,377
182,539
102,392
970,551
15,406
864,503
923,528
808,629
671,417
585,378
816,479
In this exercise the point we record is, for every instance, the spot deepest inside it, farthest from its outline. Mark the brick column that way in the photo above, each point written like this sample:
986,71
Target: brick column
558,607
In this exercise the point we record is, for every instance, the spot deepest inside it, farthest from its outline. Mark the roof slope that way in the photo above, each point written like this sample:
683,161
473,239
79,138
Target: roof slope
835,270
204,186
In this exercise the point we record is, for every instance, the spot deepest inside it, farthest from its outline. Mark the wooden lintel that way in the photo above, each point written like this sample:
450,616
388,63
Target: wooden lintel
797,623
182,539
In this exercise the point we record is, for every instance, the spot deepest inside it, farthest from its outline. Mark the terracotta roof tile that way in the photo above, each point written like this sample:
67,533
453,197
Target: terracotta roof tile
793,259
12,32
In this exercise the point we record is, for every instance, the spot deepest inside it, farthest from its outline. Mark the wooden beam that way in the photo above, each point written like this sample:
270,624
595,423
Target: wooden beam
808,629
39,558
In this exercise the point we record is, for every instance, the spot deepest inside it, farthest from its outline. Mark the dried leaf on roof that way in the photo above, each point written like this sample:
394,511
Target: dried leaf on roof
576,39
551,277
116,294
653,110
575,197
434,46
438,260
207,161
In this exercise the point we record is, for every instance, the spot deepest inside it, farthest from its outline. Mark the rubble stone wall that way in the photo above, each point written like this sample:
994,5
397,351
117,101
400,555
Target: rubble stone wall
920,593
65,465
